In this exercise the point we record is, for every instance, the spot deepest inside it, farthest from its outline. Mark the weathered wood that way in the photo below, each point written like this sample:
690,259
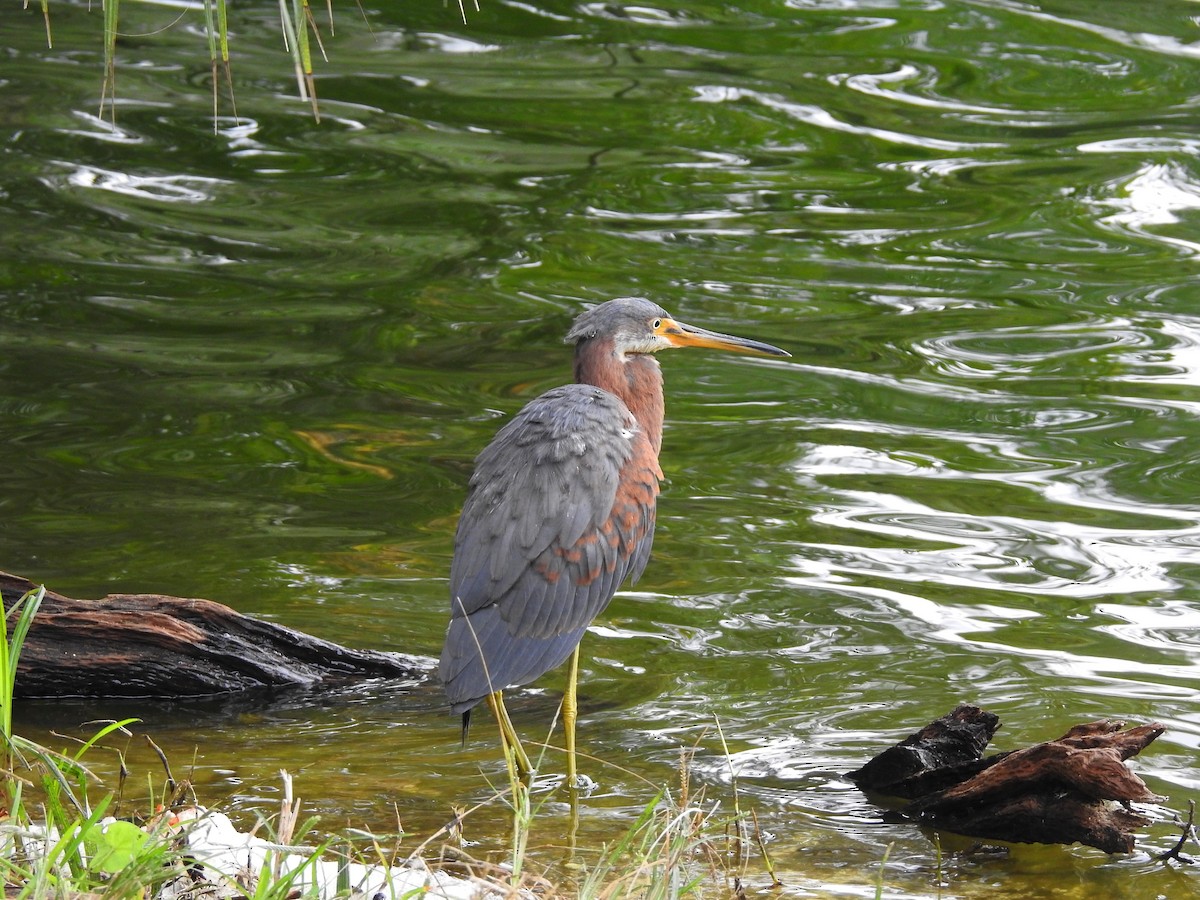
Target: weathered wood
1061,791
943,753
150,645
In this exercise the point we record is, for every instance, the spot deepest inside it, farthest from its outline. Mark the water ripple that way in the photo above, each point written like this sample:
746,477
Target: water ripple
165,188
822,118
1026,353
1125,352
881,85
1156,195
1140,40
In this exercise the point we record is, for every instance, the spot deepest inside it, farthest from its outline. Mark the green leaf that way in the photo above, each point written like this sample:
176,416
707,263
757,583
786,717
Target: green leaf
115,847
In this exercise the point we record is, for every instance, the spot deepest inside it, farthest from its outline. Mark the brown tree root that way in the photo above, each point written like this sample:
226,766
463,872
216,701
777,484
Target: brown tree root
1073,789
150,645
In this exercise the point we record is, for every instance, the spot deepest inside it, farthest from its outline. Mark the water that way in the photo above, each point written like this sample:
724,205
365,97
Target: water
255,365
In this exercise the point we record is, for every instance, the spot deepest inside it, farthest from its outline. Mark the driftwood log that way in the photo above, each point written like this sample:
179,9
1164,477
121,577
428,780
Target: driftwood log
149,645
1073,789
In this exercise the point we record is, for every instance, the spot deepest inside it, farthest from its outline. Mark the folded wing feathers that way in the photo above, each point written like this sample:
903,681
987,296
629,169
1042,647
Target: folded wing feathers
531,561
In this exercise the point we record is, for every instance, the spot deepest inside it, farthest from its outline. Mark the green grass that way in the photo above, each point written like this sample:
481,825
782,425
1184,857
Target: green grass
682,845
298,24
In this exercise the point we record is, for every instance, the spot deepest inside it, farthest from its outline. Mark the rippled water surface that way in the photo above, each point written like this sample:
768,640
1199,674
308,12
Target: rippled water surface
255,365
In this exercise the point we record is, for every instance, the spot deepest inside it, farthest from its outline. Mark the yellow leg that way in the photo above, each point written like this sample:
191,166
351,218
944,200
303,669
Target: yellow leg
508,736
570,712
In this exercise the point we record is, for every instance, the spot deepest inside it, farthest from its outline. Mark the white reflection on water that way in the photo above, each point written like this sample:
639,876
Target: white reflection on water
1002,553
1142,40
1142,350
101,129
1025,350
1144,145
1065,543
641,15
1178,363
403,40
881,85
166,188
821,118
1156,195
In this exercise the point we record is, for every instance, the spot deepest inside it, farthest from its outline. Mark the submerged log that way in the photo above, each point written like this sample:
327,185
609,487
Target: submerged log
150,645
1062,791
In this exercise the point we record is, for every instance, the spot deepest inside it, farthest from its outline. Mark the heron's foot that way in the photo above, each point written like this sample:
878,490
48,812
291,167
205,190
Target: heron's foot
583,786
579,785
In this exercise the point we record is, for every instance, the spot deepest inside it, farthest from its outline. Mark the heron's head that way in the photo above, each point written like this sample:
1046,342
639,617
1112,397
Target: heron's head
637,326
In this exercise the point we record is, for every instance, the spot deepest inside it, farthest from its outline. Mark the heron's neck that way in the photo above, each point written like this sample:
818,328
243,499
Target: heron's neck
635,378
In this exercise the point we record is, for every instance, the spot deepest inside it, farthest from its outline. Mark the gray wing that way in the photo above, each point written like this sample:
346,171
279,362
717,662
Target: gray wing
559,511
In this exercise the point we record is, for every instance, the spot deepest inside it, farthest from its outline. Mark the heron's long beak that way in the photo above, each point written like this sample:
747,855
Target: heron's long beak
681,335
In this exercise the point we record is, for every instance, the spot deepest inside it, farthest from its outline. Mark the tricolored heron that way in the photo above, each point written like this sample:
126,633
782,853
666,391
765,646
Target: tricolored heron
560,511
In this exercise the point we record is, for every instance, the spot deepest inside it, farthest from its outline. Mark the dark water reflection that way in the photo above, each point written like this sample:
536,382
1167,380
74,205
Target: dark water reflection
255,364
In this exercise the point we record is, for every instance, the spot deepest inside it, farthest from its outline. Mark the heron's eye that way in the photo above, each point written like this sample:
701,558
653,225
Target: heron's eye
656,324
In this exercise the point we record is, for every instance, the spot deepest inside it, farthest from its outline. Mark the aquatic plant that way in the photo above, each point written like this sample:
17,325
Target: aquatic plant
297,23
